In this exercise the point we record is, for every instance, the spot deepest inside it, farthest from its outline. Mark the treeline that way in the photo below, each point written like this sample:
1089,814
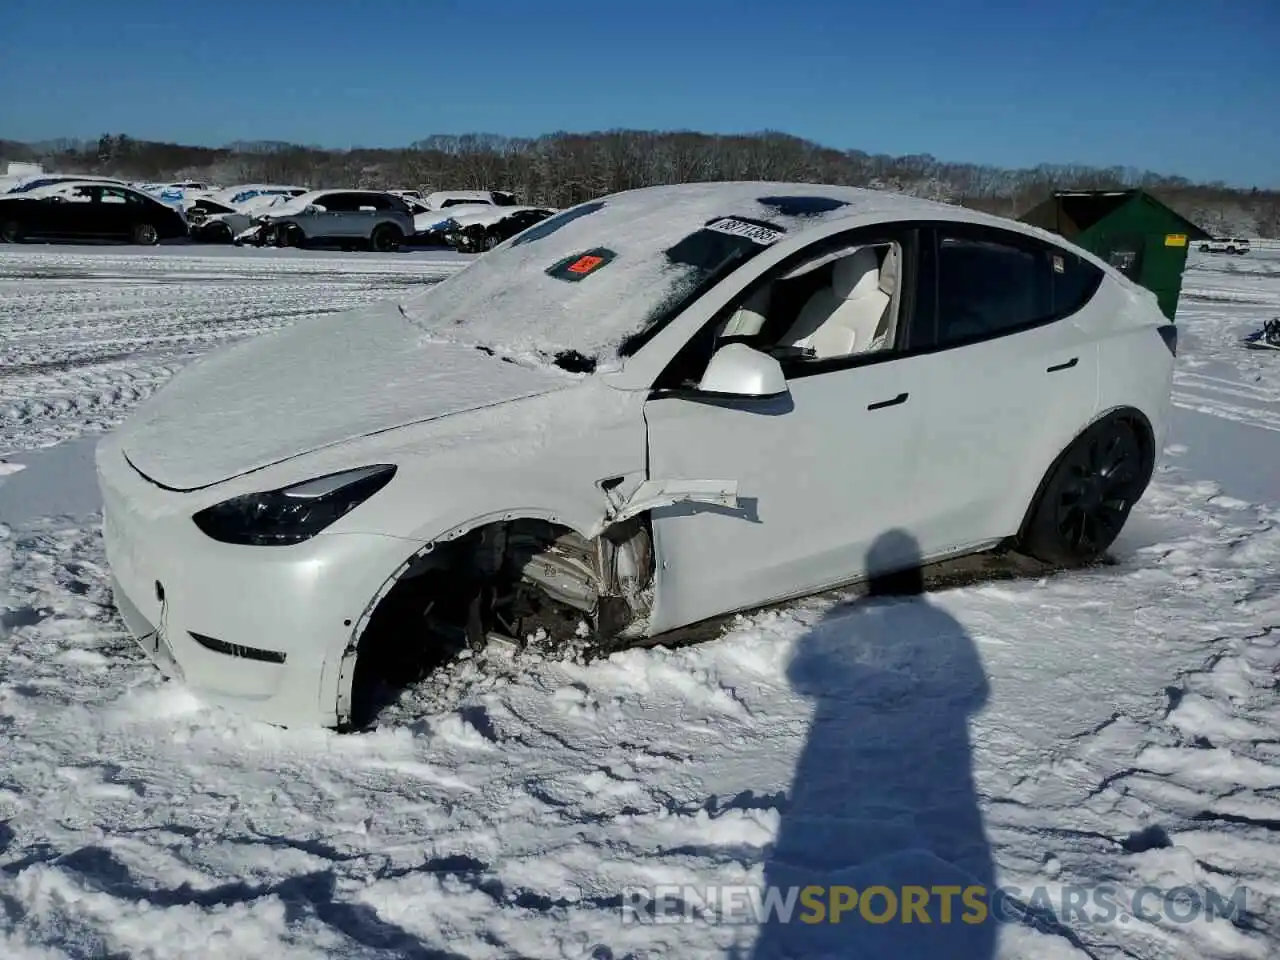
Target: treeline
562,169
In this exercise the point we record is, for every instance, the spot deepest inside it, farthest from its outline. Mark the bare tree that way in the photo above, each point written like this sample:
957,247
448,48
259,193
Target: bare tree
562,168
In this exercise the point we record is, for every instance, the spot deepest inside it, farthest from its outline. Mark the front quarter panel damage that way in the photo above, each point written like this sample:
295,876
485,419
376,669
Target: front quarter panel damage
538,543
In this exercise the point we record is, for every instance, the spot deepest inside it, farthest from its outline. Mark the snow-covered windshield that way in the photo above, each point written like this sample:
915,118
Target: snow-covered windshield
578,287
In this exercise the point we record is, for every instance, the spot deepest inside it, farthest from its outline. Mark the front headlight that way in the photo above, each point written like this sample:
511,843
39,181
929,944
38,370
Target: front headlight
292,514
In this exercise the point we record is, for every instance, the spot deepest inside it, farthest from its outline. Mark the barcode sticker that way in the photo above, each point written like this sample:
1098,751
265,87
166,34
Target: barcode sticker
751,231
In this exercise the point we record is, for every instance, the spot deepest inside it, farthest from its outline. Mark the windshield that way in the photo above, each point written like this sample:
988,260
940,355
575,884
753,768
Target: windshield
584,286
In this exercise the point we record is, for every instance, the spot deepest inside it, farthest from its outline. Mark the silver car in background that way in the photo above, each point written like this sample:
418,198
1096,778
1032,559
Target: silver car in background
368,219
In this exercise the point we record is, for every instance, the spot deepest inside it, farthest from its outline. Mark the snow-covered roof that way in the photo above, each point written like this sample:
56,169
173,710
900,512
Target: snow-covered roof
46,179
507,300
452,213
65,186
228,195
312,195
438,197
288,206
484,215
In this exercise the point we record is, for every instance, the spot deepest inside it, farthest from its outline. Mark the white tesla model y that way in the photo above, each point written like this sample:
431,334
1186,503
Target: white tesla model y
648,410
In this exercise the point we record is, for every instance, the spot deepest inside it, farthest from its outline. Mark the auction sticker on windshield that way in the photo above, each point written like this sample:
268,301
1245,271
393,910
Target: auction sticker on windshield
741,228
581,264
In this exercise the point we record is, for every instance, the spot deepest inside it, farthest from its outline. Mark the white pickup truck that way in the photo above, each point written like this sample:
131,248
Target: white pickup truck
1237,245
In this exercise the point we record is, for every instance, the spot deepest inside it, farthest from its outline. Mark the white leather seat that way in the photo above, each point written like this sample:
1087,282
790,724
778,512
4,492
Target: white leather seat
749,319
843,318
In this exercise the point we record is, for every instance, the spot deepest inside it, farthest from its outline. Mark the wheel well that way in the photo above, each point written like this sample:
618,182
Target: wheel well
1146,438
517,578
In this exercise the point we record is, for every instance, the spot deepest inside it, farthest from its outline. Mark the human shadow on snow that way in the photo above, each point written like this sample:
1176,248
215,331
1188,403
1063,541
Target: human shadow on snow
883,792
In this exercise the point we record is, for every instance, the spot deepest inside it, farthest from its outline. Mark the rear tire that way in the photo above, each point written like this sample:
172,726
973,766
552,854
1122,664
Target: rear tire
145,235
386,238
1086,498
11,232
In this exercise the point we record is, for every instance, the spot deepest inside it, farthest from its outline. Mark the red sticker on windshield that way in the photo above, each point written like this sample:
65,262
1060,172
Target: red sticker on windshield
585,264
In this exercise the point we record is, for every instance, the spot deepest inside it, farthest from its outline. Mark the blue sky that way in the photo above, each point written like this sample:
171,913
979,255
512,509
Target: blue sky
1179,86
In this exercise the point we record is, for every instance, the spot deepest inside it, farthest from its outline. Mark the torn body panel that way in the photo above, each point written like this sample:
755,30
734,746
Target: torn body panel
652,494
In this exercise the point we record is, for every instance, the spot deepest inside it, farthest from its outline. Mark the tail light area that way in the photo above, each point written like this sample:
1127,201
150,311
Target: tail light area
1169,334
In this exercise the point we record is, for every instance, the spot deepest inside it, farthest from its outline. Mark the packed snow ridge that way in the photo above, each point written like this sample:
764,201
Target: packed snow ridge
1117,727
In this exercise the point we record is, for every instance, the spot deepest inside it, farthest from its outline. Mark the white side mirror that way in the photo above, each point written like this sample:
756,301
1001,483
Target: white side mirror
737,370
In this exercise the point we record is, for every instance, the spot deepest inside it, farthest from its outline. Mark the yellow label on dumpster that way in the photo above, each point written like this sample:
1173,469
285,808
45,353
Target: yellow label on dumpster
1175,239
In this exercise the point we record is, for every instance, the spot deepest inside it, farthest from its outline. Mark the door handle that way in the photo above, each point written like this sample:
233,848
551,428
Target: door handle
900,398
1063,366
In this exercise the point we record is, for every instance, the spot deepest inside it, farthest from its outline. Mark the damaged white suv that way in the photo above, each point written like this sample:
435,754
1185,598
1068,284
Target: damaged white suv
650,409
348,218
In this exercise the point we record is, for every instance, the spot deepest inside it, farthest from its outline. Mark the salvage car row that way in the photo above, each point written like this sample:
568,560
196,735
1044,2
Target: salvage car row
54,207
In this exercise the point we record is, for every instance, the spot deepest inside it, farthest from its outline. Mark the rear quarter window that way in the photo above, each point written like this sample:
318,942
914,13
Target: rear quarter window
1074,282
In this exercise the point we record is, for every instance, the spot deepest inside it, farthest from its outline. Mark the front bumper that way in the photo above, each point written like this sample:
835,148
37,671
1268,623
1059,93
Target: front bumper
262,631
148,634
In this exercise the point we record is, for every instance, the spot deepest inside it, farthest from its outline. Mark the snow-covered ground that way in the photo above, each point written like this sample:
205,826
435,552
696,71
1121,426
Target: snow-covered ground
87,332
1116,731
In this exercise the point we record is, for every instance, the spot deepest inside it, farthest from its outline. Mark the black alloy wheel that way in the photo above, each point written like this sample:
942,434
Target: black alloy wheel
1089,494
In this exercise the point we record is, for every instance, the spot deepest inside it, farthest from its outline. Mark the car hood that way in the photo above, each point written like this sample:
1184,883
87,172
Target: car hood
313,385
427,219
422,222
279,210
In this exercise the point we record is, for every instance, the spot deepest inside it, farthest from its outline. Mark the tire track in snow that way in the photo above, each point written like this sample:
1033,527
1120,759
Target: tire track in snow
1215,375
1179,787
85,337
1254,403
1251,416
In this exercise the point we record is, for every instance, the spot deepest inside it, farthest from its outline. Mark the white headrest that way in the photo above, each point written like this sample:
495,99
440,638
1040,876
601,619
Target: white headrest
857,275
889,271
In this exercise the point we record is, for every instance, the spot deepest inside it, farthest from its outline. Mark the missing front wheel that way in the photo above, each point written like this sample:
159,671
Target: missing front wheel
528,584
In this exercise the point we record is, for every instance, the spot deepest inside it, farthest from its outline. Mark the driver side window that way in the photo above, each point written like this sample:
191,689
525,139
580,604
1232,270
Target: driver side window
838,305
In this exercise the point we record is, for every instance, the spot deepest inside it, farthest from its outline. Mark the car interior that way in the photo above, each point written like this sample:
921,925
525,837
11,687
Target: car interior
841,304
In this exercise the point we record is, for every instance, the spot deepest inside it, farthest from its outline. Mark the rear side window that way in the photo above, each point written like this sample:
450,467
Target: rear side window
340,202
986,287
989,283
